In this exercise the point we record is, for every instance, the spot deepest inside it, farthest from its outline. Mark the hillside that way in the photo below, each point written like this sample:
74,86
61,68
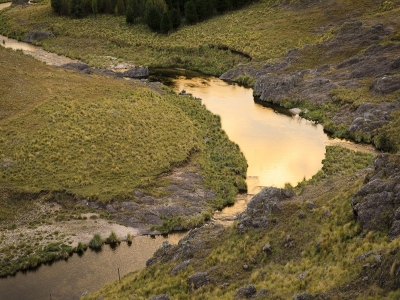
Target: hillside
73,144
332,237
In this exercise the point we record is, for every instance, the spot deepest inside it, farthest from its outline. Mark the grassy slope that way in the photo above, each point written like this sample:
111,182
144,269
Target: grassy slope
260,30
328,267
101,137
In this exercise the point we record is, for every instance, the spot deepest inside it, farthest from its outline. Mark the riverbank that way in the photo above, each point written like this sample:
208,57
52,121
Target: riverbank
61,158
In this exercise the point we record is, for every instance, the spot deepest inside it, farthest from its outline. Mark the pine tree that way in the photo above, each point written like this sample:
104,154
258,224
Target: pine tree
190,12
175,17
166,24
95,10
56,5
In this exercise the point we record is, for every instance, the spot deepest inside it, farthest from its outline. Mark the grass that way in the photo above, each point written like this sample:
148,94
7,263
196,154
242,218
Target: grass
260,30
326,247
99,138
66,136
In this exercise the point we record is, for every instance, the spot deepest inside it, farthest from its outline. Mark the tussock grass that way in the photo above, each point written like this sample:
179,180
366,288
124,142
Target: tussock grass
260,30
325,246
99,138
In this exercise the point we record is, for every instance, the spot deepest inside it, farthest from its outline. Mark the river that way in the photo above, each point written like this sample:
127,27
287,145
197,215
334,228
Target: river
280,148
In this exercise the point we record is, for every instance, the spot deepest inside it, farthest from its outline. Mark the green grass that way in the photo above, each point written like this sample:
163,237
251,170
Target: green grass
99,138
260,30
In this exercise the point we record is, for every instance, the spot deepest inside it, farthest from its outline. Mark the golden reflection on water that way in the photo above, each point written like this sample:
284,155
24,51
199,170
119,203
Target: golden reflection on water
279,149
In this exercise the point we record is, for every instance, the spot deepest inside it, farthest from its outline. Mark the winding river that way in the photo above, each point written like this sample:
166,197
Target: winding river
280,148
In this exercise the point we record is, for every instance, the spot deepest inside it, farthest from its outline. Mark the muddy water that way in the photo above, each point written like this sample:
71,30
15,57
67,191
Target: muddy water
88,273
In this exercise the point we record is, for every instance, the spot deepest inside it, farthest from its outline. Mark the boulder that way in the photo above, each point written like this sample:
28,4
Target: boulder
246,292
385,85
77,66
267,248
37,36
376,205
198,280
260,206
137,72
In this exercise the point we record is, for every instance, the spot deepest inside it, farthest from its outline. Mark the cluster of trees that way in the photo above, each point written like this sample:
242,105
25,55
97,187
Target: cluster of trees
159,15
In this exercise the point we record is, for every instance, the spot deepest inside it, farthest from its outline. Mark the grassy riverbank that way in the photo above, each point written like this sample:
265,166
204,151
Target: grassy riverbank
324,257
97,138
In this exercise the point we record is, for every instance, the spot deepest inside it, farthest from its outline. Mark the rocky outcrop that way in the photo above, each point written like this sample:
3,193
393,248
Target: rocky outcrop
37,36
260,207
276,82
137,72
376,205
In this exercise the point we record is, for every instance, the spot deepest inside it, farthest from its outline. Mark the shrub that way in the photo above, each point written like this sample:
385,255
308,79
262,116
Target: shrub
96,242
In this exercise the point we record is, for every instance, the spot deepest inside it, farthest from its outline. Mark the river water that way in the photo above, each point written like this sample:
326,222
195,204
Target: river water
279,148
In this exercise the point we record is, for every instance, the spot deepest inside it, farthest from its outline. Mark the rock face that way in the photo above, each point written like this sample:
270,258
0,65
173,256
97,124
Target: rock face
198,280
260,206
38,36
276,82
137,72
376,205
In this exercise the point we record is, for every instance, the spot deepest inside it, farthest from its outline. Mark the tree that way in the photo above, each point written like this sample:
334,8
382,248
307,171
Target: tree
130,15
77,8
166,24
190,12
120,7
222,5
154,11
56,5
95,10
175,17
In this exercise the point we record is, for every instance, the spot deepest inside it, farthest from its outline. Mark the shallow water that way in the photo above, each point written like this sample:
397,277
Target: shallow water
88,273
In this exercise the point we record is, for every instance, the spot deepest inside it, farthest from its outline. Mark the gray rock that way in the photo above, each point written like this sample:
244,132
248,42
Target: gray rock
302,215
37,36
267,248
266,202
78,66
137,72
130,206
288,241
262,293
246,292
310,205
183,265
303,296
160,297
385,85
198,280
376,203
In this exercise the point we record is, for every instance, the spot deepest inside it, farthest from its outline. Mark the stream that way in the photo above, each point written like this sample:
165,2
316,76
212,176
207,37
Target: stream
279,147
